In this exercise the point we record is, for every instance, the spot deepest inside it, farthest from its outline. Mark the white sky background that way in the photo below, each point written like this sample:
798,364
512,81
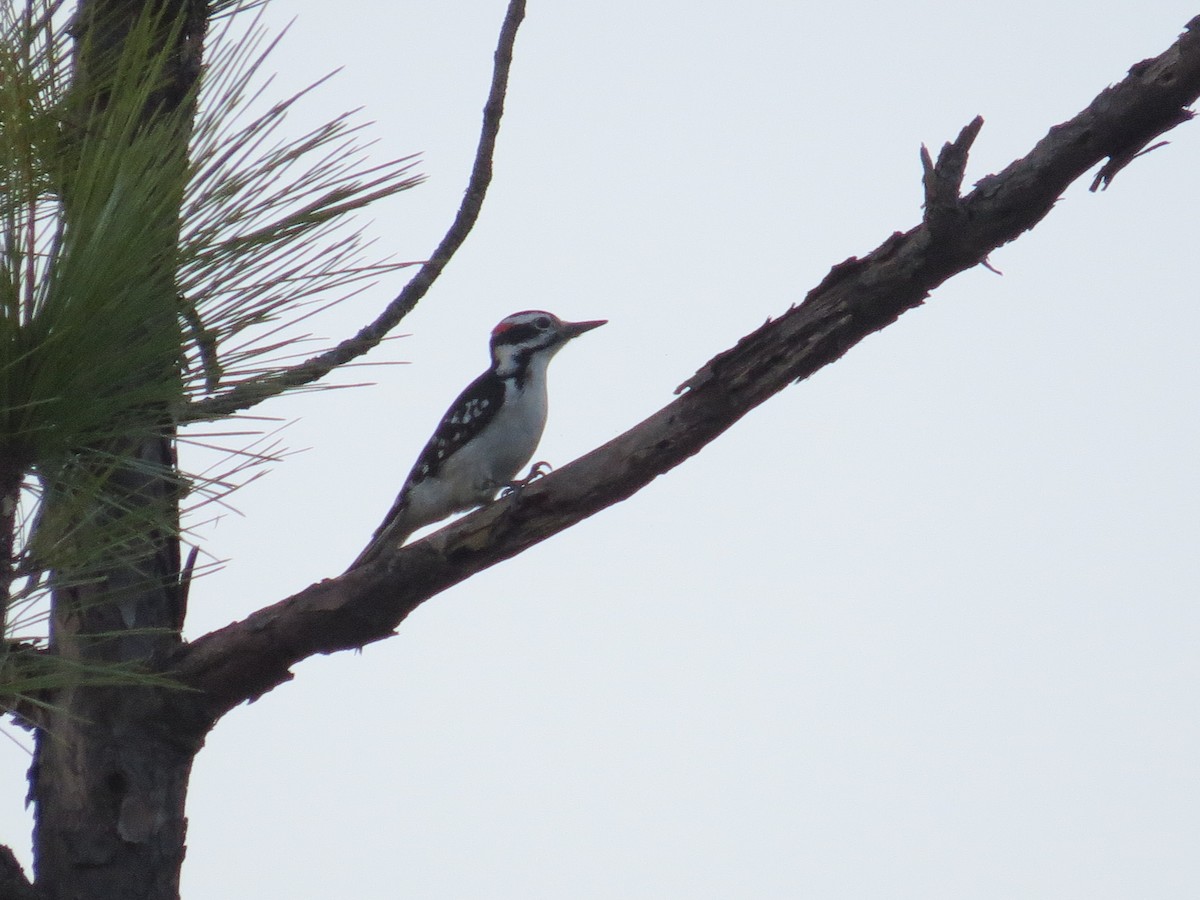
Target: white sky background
925,626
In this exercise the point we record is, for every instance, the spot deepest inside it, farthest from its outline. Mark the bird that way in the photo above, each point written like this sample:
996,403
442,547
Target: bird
488,434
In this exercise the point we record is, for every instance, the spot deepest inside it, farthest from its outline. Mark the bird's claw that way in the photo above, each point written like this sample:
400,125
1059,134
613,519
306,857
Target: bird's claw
538,470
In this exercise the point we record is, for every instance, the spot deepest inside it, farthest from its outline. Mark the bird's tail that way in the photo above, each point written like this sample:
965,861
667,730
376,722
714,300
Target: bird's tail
392,532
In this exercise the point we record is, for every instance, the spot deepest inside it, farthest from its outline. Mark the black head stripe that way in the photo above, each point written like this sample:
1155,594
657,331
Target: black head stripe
518,334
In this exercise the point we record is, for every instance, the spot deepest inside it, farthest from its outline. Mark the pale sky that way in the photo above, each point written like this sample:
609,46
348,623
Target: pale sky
925,626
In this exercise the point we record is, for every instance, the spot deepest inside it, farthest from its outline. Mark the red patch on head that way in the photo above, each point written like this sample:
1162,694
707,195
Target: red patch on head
508,322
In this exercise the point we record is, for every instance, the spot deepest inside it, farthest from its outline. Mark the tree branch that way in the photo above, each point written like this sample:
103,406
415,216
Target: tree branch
251,393
13,883
858,297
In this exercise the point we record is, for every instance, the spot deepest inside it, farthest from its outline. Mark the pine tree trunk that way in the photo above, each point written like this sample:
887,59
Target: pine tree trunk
109,786
111,767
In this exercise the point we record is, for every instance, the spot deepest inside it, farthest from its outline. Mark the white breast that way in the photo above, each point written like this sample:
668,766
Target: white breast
509,442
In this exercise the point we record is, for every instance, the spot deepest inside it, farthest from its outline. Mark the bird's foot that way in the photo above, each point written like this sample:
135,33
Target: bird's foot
538,470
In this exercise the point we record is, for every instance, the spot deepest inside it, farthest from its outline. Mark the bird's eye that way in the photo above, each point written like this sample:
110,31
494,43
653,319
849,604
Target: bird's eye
542,322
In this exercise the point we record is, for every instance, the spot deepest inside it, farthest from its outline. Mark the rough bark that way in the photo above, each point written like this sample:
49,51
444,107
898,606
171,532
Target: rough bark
110,793
111,765
860,296
13,884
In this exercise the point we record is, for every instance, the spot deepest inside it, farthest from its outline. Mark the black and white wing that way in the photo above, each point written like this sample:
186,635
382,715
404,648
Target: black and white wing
470,413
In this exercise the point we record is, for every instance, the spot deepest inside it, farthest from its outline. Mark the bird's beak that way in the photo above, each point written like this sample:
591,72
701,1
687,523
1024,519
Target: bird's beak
575,329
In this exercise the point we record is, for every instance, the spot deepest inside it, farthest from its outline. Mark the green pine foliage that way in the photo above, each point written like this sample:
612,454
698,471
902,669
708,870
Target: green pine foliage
148,259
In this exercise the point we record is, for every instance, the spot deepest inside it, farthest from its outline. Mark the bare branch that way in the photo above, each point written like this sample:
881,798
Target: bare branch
251,393
858,297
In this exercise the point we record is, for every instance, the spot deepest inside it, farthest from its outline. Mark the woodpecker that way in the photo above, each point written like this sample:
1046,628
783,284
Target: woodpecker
487,435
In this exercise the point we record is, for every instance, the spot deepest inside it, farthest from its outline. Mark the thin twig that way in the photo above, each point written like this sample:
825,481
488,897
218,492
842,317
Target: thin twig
251,393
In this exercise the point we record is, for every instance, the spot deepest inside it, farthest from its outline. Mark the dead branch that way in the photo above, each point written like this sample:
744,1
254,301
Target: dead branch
858,297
